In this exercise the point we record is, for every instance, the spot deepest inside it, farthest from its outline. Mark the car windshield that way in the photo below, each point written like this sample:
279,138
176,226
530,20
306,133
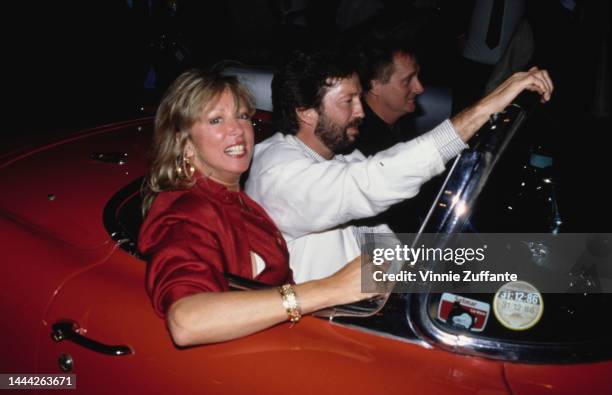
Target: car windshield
519,196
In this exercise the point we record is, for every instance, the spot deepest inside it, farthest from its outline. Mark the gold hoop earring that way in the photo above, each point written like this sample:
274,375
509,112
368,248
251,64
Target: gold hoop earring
184,168
189,167
178,166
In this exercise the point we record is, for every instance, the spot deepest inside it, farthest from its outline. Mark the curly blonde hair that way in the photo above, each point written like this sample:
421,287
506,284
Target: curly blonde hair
192,93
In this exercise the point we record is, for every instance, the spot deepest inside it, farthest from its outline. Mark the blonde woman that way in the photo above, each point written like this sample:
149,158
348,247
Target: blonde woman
199,225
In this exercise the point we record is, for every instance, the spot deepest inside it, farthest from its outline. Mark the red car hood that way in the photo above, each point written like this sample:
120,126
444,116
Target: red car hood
60,190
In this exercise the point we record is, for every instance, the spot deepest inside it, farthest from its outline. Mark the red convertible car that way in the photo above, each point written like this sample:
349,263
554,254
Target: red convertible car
72,300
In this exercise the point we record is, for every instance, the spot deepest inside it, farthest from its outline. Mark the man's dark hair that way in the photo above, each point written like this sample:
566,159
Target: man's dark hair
303,82
377,59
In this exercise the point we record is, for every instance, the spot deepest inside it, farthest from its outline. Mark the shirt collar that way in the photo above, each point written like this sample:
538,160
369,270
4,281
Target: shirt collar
310,152
210,186
371,116
377,123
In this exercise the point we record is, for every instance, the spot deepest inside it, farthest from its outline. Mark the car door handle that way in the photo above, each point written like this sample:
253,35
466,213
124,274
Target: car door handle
67,330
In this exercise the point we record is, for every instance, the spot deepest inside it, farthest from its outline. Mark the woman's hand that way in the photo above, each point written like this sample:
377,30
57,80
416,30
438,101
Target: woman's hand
345,286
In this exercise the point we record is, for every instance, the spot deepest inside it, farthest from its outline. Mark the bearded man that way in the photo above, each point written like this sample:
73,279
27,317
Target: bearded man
313,186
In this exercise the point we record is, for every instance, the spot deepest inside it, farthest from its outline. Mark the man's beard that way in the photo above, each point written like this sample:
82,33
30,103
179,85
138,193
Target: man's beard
334,136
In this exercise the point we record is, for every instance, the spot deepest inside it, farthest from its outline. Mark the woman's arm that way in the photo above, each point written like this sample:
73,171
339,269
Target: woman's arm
185,280
219,316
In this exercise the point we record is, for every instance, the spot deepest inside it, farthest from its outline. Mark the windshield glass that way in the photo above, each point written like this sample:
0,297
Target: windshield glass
518,196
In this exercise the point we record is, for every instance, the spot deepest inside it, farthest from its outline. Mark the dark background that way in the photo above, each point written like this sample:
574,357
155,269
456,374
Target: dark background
69,65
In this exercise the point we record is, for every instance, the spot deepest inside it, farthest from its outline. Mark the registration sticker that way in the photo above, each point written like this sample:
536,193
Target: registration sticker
518,305
463,312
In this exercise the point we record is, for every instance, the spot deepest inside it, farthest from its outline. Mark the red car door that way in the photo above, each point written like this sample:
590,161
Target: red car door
108,304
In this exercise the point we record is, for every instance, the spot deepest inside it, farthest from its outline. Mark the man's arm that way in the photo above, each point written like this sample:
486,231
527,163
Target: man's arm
304,196
468,121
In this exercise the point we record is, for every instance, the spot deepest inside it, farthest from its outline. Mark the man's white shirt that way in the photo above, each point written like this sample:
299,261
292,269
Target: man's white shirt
312,200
